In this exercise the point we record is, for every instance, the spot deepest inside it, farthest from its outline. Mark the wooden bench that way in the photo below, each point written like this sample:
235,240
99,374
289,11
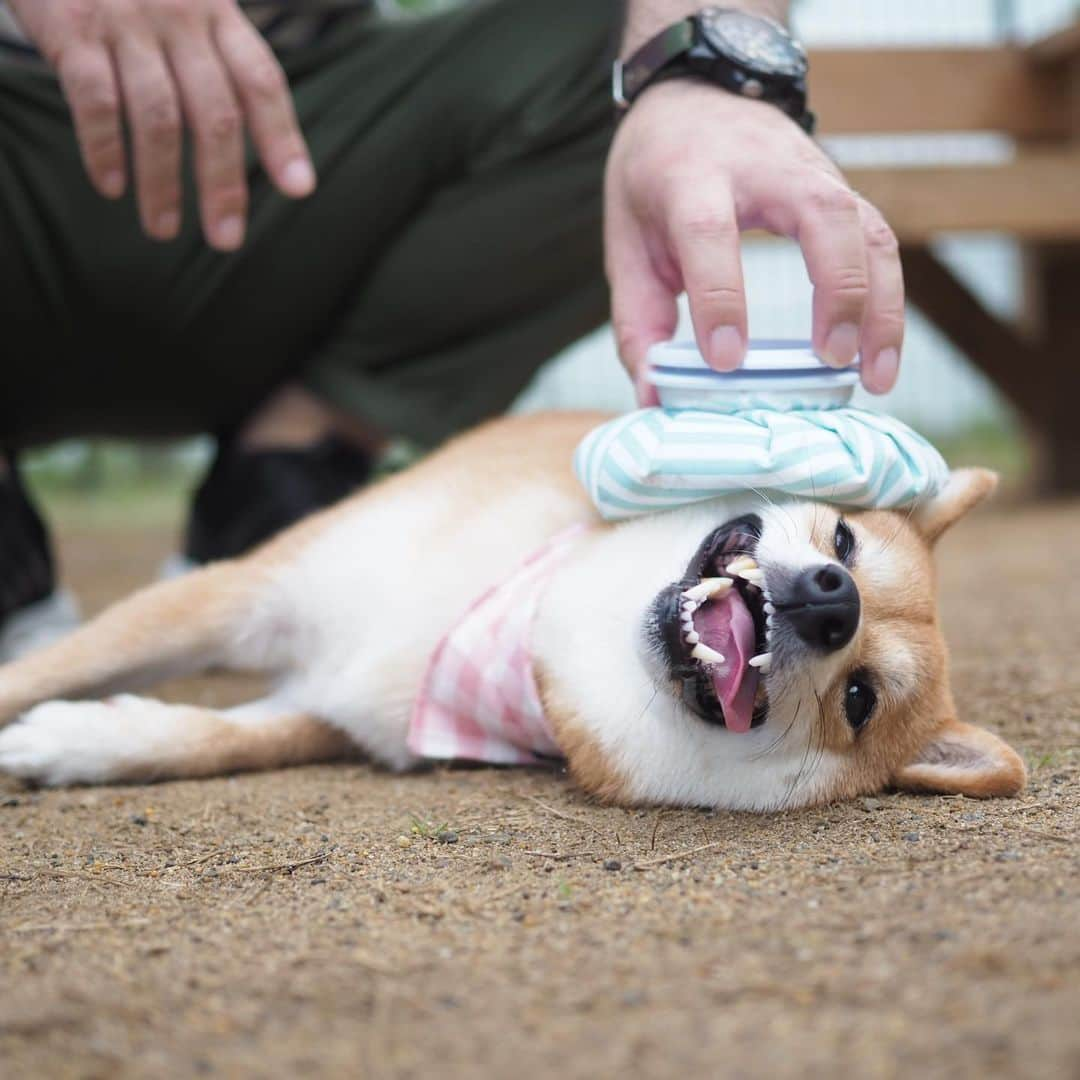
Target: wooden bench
1033,95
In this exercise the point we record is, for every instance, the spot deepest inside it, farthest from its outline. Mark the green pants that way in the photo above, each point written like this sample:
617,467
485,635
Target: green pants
453,244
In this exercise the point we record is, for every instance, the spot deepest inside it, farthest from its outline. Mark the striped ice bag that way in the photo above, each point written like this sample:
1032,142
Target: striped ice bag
655,459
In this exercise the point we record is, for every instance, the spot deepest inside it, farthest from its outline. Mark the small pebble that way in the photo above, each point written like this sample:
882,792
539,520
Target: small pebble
404,842
138,819
911,837
447,837
612,864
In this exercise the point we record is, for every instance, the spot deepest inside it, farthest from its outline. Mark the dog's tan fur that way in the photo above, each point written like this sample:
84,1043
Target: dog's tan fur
510,478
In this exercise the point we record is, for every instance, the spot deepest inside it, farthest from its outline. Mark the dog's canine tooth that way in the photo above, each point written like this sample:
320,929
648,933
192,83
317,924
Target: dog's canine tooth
702,652
740,565
763,662
716,586
707,588
755,577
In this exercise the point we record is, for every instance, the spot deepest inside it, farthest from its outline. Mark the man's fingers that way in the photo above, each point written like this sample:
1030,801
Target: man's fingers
883,327
831,235
153,112
89,84
643,308
705,239
213,115
267,104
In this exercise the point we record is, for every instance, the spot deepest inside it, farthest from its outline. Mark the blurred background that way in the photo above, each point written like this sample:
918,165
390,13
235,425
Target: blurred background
941,391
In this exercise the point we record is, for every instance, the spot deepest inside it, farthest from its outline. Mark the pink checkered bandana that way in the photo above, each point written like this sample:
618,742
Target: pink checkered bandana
479,700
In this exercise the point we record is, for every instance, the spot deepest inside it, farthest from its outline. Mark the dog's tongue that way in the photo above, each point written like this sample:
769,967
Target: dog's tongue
728,627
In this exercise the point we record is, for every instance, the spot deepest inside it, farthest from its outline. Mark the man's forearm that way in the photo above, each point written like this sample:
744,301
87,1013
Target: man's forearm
646,18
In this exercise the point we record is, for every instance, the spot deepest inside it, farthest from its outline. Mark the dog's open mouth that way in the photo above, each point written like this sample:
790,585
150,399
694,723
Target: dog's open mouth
715,624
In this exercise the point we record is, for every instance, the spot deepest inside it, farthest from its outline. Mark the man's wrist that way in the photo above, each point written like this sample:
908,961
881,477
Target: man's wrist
646,18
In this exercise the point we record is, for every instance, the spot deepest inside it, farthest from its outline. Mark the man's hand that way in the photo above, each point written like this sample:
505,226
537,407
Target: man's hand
691,167
160,65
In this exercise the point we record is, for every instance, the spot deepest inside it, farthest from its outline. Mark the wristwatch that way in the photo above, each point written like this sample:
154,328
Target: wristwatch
749,55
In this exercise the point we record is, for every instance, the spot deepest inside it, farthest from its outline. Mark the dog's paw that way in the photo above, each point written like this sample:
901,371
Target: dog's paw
78,742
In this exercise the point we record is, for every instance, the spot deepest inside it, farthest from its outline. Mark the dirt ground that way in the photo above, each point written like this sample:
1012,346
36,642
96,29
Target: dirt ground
341,921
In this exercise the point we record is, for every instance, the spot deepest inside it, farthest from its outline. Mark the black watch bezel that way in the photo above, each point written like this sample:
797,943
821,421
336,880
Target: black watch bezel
686,50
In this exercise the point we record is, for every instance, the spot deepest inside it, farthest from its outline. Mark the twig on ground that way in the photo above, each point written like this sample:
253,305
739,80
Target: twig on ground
559,856
684,854
656,829
565,816
289,867
1047,835
70,928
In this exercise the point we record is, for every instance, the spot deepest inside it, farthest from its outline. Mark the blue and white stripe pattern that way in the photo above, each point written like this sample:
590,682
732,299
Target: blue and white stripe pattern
656,459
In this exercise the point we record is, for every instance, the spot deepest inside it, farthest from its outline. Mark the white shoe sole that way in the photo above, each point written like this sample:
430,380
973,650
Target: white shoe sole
38,625
175,566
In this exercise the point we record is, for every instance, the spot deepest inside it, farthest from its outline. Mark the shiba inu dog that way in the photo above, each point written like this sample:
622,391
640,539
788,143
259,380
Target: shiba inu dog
737,653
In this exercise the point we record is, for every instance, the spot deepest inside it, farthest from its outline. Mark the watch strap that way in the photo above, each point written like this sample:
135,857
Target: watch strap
631,77
667,55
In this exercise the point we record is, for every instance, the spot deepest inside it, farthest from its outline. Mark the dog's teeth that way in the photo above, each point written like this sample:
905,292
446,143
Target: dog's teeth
755,577
689,606
769,607
740,565
693,637
763,662
702,652
706,588
716,586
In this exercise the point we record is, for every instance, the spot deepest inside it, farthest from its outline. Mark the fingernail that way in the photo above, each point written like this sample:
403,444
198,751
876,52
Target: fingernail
298,178
841,345
229,233
113,184
168,224
884,371
725,348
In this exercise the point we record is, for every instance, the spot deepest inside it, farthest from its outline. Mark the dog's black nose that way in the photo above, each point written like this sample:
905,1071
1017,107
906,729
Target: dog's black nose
822,605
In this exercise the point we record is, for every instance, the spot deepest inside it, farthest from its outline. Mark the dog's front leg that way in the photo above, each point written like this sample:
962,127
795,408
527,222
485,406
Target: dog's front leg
210,617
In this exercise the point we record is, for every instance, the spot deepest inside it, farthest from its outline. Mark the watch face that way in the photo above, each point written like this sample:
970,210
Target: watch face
757,43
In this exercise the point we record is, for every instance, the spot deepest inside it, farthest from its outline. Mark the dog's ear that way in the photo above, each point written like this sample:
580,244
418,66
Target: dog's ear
965,489
962,759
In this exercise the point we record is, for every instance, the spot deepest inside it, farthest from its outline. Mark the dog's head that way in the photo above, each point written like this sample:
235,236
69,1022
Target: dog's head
777,656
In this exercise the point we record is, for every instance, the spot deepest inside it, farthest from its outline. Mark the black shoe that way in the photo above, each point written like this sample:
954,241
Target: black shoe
32,611
250,495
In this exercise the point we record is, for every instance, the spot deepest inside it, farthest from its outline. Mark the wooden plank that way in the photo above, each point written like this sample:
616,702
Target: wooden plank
1038,374
856,91
990,343
1036,197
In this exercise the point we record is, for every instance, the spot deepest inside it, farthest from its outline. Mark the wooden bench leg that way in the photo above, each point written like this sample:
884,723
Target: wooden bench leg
1055,382
1038,372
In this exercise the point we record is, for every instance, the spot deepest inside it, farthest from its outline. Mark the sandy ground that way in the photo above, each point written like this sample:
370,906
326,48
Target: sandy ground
341,921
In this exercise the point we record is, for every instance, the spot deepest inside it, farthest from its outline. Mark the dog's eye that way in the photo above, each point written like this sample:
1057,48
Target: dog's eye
859,701
844,541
